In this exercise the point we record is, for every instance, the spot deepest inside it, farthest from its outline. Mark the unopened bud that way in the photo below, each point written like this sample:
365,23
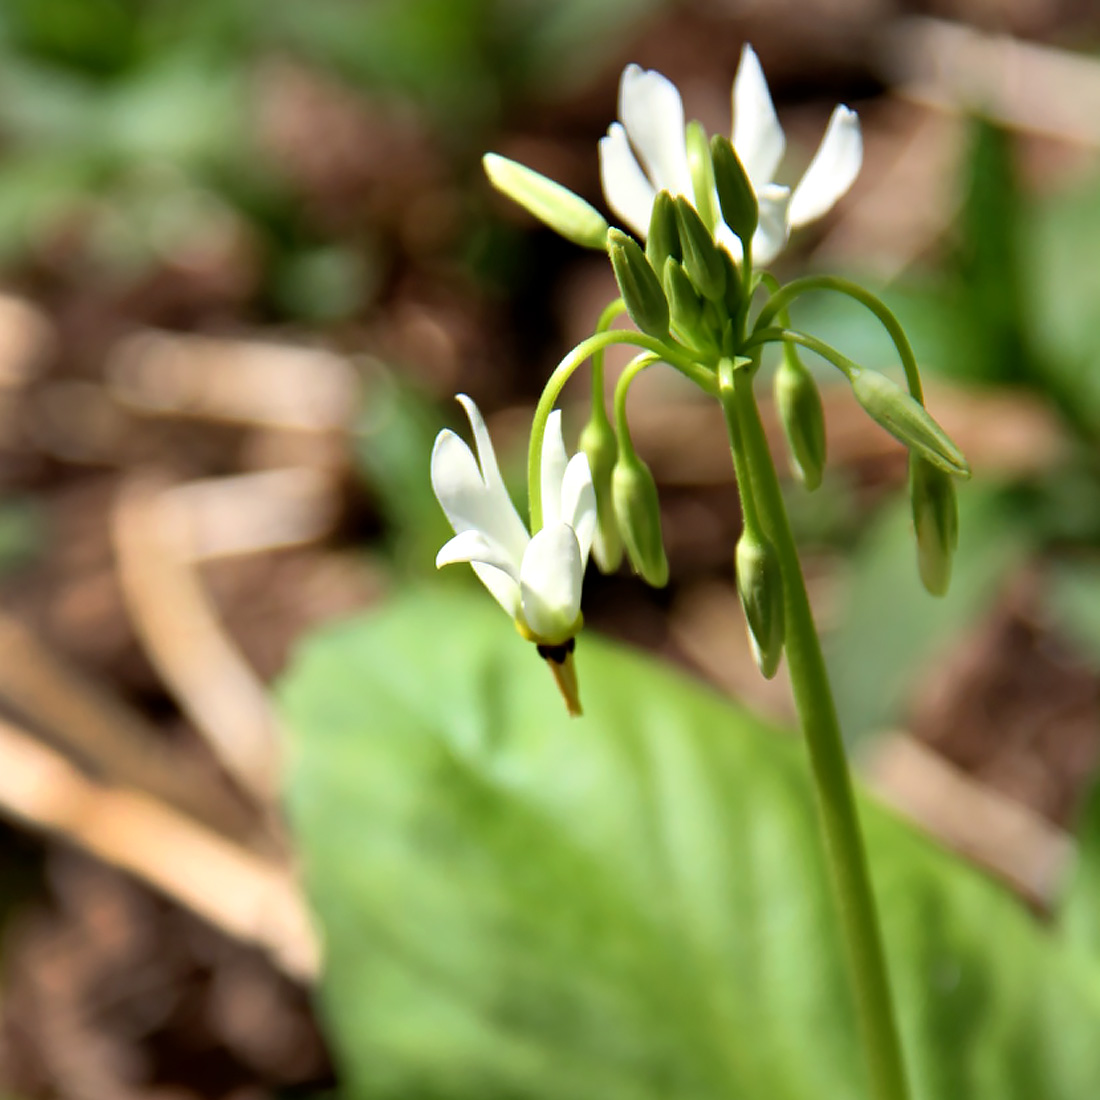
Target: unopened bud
734,288
702,173
638,512
760,586
935,521
740,210
684,303
802,417
663,239
550,202
702,257
599,444
907,421
642,293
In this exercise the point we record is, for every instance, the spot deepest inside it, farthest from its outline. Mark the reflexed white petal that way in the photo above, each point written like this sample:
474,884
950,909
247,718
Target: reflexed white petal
832,171
774,228
578,502
486,456
625,186
473,546
653,113
493,566
470,500
552,470
757,135
550,583
459,486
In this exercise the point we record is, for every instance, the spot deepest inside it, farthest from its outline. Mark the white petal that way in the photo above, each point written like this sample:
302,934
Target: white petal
653,113
773,228
471,546
475,499
458,484
550,583
625,186
486,456
552,470
578,502
491,563
757,135
832,171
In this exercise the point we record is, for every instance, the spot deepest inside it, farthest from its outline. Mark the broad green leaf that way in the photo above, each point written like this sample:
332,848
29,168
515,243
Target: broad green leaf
1079,911
629,905
891,628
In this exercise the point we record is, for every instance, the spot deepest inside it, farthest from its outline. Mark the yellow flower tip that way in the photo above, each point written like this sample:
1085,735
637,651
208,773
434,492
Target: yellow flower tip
559,659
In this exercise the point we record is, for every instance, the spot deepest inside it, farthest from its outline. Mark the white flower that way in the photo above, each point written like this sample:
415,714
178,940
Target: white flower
646,152
536,580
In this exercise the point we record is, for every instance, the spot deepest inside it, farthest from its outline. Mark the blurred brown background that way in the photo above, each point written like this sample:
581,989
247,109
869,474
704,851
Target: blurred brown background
249,256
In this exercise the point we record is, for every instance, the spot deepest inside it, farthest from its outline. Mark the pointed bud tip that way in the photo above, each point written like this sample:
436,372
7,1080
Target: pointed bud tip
637,509
641,291
548,201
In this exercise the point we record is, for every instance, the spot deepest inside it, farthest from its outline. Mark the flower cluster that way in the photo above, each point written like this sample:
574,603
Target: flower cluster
710,214
647,152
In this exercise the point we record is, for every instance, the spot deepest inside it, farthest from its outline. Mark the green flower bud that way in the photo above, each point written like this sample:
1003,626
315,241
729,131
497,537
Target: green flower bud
634,493
736,196
684,303
642,293
702,173
702,257
734,290
802,417
554,205
907,420
936,522
664,233
760,586
600,445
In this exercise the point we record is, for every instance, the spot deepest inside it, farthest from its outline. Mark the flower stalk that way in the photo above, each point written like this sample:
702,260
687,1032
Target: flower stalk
706,208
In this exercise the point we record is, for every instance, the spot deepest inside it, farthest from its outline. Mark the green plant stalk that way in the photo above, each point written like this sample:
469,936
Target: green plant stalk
668,353
844,848
782,298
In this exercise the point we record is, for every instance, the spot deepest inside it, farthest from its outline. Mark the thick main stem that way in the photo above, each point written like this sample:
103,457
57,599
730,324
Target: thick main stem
844,848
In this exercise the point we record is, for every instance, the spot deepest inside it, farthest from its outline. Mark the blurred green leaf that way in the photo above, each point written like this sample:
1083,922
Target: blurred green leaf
393,444
1073,598
891,627
991,318
627,906
21,532
1079,909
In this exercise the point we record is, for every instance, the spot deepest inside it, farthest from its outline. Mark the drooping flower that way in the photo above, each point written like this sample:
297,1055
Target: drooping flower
536,579
646,152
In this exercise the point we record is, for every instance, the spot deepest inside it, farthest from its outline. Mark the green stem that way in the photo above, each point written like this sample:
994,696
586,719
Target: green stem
595,343
631,371
846,857
727,383
607,318
849,367
783,298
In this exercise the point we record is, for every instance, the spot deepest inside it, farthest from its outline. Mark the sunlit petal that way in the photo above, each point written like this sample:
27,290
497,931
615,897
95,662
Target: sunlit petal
473,498
493,566
832,171
653,113
552,470
625,186
773,228
757,135
578,502
471,546
550,583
